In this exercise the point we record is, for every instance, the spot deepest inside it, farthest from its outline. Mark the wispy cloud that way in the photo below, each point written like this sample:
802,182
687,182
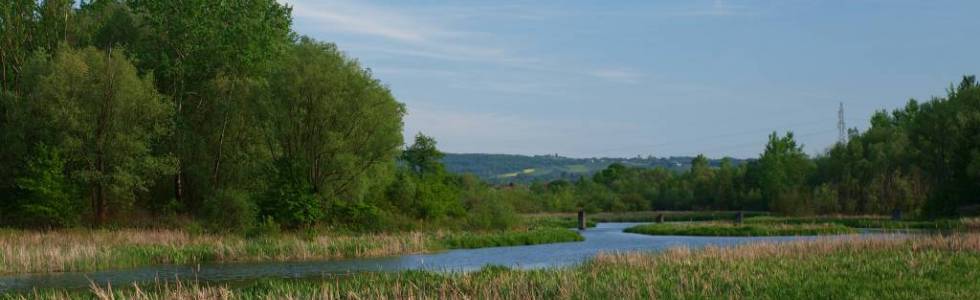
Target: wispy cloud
718,8
618,75
348,17
400,31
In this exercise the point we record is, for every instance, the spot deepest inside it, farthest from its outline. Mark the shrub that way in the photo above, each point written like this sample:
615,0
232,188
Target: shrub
229,210
492,213
47,197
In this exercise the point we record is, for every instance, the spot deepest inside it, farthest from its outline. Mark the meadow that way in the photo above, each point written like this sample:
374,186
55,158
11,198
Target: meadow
898,267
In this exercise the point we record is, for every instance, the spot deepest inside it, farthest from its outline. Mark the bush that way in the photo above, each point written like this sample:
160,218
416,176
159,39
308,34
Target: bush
355,215
492,213
229,210
47,197
290,200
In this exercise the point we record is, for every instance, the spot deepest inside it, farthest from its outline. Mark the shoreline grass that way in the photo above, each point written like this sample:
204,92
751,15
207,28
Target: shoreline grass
903,267
467,240
730,229
671,216
97,250
873,222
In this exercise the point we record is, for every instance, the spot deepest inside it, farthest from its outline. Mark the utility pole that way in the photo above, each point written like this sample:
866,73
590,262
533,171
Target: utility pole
842,138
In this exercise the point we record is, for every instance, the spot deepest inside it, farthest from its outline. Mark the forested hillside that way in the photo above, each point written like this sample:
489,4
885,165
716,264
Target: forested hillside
509,168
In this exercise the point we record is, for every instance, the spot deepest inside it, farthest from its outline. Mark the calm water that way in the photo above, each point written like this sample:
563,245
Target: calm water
606,237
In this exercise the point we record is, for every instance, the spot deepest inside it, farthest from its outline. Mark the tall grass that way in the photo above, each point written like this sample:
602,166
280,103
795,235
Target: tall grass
88,250
671,216
903,267
498,239
93,250
730,229
867,222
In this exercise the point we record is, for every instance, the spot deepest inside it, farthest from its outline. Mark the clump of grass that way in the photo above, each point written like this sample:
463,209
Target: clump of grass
510,238
903,267
730,229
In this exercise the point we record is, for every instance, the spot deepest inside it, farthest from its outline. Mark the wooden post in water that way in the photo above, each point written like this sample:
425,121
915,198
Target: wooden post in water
581,219
738,217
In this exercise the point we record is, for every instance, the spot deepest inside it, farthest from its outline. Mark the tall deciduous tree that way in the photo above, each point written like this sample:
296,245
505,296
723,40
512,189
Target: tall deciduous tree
105,118
189,45
784,169
333,120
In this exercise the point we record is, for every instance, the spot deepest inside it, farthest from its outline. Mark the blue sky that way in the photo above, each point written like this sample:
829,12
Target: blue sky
661,78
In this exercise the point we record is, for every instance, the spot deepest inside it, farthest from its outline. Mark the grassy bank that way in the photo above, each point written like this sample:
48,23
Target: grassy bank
730,229
555,221
670,216
870,222
531,237
919,267
91,250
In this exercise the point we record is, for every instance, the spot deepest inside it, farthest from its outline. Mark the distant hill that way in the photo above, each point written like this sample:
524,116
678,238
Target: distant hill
506,168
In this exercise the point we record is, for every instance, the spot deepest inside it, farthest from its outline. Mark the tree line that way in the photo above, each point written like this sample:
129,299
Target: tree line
138,111
922,159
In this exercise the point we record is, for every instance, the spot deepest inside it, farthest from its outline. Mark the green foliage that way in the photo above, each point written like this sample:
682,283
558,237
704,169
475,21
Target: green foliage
47,197
501,239
333,120
94,107
783,171
492,213
290,200
422,156
229,210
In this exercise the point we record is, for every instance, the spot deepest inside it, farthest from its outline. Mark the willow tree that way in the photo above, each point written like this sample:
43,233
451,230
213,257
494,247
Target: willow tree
95,109
198,49
337,127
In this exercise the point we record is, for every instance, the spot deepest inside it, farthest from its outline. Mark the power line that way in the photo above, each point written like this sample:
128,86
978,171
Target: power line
841,126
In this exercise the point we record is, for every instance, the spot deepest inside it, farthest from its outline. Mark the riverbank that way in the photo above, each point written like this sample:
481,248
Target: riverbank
731,229
916,267
95,250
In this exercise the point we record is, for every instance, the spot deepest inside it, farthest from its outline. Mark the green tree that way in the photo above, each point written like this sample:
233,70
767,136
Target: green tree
783,170
333,121
46,196
189,45
105,118
422,156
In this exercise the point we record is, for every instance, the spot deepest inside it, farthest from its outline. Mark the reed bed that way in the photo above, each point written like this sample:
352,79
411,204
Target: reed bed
93,250
88,250
898,267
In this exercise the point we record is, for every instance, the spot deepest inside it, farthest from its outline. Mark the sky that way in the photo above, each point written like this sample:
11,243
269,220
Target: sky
660,78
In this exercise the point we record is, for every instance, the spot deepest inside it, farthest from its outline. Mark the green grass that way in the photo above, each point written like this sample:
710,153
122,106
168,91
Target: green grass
93,250
730,229
555,221
509,238
919,267
865,222
670,216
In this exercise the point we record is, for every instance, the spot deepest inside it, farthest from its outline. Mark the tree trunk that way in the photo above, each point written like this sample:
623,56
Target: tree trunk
101,208
216,171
